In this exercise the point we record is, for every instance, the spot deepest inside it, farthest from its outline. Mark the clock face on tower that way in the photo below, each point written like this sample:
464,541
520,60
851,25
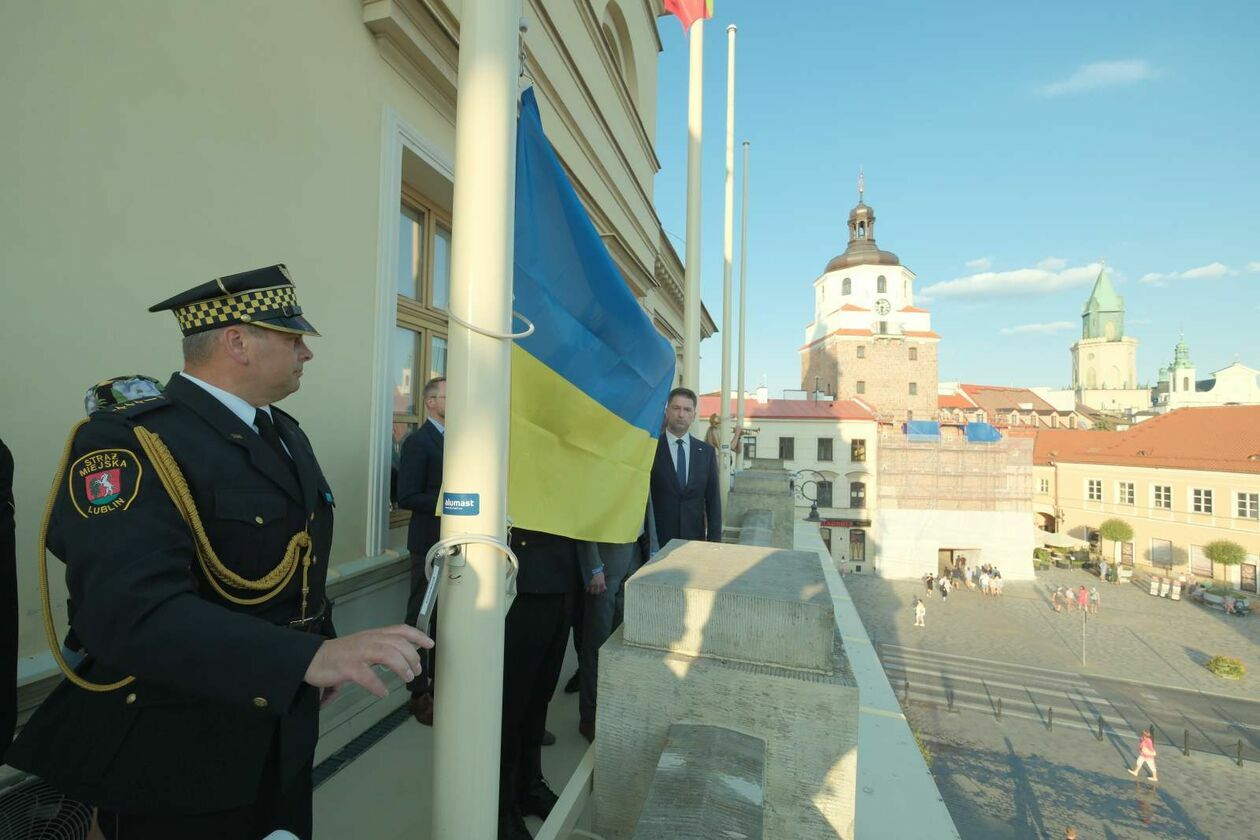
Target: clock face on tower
882,306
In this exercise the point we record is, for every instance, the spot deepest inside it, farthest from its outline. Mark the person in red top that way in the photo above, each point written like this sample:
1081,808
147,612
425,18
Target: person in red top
1082,598
1146,755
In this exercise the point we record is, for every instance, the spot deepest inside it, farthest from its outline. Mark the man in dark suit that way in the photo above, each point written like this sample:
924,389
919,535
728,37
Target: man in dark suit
419,484
685,492
196,528
537,627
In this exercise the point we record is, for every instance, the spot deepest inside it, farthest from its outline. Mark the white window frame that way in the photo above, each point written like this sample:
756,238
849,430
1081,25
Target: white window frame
1249,499
1043,486
1121,499
1155,488
1207,500
1090,484
396,136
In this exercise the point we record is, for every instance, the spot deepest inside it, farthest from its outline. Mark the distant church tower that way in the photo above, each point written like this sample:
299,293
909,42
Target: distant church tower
868,340
1105,358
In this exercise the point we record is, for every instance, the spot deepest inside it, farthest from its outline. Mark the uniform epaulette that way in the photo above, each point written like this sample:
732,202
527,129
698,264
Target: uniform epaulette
135,408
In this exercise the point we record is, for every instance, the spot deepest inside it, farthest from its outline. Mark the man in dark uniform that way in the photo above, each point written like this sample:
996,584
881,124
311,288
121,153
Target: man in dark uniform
537,629
196,528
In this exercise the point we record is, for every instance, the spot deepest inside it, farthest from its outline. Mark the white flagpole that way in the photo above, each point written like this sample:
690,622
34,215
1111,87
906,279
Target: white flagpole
691,290
472,604
743,296
728,244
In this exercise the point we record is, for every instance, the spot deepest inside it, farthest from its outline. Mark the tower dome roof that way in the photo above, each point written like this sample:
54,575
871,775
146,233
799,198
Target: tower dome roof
862,249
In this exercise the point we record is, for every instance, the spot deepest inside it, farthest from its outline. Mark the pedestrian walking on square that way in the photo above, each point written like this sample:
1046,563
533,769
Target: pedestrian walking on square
1094,599
1069,599
945,590
919,612
996,583
1056,598
930,580
1082,598
1070,833
1146,755
1102,570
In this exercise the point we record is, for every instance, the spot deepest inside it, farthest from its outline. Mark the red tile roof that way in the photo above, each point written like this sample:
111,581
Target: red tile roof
1219,439
789,409
849,307
830,334
921,334
911,309
995,398
954,400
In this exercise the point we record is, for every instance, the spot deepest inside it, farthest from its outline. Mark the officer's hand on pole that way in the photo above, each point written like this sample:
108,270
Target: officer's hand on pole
351,658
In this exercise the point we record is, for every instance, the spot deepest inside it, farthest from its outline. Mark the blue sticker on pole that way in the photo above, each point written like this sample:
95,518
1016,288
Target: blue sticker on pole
461,504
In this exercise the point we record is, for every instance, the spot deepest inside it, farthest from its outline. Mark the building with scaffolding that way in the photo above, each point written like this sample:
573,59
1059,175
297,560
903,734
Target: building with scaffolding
941,498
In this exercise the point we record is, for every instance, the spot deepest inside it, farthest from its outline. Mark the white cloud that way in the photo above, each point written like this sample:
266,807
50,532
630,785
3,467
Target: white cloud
1203,272
1102,74
980,264
1254,267
1021,282
1052,264
1051,327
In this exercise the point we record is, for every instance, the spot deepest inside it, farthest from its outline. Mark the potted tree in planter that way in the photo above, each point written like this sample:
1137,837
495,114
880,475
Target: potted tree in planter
1226,553
1116,530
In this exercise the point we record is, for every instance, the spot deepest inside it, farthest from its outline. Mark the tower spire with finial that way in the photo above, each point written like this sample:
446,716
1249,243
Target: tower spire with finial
861,183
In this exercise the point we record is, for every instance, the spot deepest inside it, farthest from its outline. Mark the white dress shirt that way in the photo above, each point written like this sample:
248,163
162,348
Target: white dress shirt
233,403
673,449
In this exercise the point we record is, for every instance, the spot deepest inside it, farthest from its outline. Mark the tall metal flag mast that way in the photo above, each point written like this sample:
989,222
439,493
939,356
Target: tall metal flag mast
693,13
724,429
743,296
470,686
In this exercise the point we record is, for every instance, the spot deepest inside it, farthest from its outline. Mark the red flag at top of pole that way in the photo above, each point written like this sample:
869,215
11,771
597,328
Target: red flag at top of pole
689,11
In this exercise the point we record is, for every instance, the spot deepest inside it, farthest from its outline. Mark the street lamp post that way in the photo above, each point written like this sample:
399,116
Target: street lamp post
800,483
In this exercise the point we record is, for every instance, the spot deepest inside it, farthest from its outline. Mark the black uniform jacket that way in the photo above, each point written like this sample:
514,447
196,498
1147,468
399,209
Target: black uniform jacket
419,483
218,685
693,512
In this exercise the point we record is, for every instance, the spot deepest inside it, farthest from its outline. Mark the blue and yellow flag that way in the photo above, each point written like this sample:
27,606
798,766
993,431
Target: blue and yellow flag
589,386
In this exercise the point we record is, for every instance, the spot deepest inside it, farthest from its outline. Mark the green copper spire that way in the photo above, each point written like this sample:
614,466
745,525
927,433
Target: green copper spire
1181,355
1103,314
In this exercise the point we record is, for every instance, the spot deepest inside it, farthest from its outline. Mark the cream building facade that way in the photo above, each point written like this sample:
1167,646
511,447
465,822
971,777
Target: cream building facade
151,148
868,340
1180,480
830,447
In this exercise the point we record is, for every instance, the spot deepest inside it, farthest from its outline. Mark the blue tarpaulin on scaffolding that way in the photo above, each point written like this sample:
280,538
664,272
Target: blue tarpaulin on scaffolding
923,430
982,433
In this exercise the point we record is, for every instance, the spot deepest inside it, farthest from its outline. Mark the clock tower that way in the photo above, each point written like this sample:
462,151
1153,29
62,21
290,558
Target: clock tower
1104,360
868,340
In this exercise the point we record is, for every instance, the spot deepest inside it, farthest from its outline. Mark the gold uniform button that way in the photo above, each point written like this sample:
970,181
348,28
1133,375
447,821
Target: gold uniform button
131,698
312,517
260,702
258,519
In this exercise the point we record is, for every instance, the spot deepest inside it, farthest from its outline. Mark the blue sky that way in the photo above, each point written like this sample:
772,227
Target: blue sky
1007,147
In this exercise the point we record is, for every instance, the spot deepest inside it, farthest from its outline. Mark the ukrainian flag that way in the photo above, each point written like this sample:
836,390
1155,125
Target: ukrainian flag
589,386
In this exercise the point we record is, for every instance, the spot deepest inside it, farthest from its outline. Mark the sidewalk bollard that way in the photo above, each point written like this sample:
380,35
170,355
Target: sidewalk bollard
1052,718
1240,752
999,709
1185,750
949,699
1100,732
905,697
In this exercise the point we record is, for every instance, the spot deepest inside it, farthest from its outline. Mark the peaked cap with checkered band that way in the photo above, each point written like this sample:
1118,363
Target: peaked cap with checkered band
263,297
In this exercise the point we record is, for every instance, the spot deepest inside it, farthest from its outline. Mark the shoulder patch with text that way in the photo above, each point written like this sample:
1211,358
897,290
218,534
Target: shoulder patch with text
104,481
